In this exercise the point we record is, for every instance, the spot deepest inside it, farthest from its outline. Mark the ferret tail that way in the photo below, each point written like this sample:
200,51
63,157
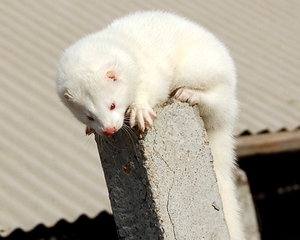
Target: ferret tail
222,146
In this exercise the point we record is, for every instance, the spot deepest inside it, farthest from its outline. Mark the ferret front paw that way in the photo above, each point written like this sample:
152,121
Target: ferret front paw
188,95
141,115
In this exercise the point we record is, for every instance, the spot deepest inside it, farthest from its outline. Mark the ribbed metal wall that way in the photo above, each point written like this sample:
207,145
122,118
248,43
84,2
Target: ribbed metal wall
48,169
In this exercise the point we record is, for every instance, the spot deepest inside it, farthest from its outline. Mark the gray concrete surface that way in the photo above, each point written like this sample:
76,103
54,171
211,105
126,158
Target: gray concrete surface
161,183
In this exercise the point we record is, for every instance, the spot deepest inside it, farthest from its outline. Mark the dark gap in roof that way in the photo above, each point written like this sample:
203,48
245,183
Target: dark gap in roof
101,227
282,130
245,133
264,131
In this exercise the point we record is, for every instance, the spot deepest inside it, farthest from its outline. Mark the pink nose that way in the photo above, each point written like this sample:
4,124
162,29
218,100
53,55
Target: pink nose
109,131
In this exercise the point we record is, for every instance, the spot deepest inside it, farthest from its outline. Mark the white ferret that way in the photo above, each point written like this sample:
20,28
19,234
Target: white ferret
135,63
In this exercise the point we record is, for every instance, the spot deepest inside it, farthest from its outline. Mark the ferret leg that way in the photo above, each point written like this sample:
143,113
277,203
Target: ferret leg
148,94
217,106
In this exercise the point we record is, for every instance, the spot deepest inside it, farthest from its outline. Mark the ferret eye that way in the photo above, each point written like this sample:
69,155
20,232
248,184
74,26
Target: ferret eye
112,106
90,118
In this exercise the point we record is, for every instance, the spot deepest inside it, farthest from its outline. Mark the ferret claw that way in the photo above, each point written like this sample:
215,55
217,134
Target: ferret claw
141,115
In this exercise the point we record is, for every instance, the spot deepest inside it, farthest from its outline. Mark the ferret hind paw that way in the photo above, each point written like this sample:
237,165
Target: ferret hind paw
141,115
188,95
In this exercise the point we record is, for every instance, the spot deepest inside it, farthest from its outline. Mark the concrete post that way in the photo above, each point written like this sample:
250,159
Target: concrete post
161,183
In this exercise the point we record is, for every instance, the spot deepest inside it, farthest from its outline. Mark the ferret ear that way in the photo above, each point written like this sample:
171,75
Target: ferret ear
112,75
68,95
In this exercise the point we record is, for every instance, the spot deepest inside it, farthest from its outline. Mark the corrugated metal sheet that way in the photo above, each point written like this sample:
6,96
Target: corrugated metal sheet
48,169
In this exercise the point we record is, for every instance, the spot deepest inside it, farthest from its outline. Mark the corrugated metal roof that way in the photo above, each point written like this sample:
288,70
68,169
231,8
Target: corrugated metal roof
48,169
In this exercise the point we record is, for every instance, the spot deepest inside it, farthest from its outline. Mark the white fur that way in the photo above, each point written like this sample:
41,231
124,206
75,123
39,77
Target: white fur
148,55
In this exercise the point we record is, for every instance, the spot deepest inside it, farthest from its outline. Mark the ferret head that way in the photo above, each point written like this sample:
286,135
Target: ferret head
96,84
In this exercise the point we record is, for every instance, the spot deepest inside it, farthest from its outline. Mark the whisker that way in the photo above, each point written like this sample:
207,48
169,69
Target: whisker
88,141
106,143
126,121
131,134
